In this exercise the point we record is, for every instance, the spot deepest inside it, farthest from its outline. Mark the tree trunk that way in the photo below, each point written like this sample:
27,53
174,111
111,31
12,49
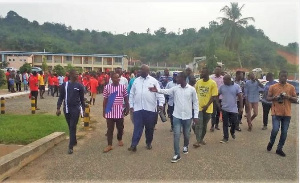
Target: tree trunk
239,58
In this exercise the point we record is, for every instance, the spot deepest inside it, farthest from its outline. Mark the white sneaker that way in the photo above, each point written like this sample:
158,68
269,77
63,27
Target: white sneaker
175,159
185,150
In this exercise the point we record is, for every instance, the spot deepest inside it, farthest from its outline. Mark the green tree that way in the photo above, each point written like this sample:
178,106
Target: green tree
44,64
69,68
211,61
58,69
25,67
2,78
233,27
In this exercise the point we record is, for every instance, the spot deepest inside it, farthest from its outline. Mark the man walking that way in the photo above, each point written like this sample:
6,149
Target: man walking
143,103
207,91
34,87
265,103
72,93
41,78
281,94
171,105
252,98
18,81
215,117
230,91
185,98
113,111
93,85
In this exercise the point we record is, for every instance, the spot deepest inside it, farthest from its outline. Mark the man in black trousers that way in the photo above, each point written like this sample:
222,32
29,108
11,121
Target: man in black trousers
72,93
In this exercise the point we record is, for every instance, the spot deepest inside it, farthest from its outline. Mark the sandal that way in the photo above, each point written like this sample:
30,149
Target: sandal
107,149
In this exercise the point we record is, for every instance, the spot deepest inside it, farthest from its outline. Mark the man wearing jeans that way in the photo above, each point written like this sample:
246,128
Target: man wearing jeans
207,92
185,98
281,94
230,91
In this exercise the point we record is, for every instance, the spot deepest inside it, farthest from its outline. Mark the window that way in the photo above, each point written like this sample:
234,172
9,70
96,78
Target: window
9,59
24,60
13,59
68,58
49,57
21,60
118,60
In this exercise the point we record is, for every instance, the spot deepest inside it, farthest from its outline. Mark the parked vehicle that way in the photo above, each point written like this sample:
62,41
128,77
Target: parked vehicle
296,85
10,69
37,69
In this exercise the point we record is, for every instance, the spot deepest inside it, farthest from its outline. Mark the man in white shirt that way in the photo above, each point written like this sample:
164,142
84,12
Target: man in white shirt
123,81
185,99
170,102
143,104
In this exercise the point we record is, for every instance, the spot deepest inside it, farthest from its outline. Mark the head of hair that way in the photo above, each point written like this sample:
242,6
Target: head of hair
283,72
182,75
34,73
269,74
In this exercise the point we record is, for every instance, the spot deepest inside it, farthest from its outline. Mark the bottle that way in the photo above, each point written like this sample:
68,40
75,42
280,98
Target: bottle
162,116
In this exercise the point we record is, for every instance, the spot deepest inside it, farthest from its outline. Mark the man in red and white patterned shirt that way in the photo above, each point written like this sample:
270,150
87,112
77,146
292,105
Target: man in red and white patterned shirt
113,110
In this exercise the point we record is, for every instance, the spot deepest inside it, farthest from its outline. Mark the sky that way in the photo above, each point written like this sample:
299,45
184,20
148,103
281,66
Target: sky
279,19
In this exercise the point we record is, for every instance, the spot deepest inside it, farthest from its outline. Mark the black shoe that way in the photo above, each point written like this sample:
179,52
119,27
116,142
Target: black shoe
238,129
75,144
269,147
149,146
70,151
280,152
224,141
232,135
175,159
217,128
132,148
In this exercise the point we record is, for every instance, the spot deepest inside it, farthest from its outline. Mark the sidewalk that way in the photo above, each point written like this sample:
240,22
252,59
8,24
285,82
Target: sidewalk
16,94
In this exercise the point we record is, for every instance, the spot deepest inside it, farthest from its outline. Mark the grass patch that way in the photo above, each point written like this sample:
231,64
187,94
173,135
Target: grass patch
24,129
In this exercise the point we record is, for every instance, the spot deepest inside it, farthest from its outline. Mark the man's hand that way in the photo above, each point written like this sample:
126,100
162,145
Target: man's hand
58,112
241,110
153,89
196,120
160,108
126,111
104,114
204,108
131,110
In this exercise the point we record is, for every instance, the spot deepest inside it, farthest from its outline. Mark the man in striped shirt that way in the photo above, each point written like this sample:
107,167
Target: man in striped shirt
113,110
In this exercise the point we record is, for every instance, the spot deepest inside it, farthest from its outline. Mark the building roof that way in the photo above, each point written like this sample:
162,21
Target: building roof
61,54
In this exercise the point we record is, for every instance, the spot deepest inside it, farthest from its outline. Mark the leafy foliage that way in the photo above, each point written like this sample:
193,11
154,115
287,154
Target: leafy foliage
26,67
256,50
2,78
59,70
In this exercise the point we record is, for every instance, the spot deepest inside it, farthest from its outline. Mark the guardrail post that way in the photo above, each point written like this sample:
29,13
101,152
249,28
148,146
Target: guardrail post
32,105
2,105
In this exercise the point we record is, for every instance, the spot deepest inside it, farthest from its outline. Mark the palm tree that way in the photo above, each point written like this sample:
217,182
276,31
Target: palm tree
232,25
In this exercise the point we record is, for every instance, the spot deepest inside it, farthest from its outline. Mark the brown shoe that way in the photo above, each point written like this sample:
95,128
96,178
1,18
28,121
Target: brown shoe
121,143
196,145
107,149
203,142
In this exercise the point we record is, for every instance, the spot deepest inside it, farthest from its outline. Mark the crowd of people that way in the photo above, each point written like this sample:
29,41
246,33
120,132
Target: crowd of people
189,103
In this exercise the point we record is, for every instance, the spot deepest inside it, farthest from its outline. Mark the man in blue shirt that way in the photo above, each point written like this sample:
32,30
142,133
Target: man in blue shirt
265,103
252,98
230,91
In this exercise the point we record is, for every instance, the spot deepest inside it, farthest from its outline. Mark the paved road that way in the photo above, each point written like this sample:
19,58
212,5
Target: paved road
244,159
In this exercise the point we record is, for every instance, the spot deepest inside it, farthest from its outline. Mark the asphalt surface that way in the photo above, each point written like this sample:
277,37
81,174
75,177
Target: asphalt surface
244,159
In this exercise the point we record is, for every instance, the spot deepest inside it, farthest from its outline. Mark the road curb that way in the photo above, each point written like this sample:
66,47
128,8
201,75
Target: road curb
14,161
